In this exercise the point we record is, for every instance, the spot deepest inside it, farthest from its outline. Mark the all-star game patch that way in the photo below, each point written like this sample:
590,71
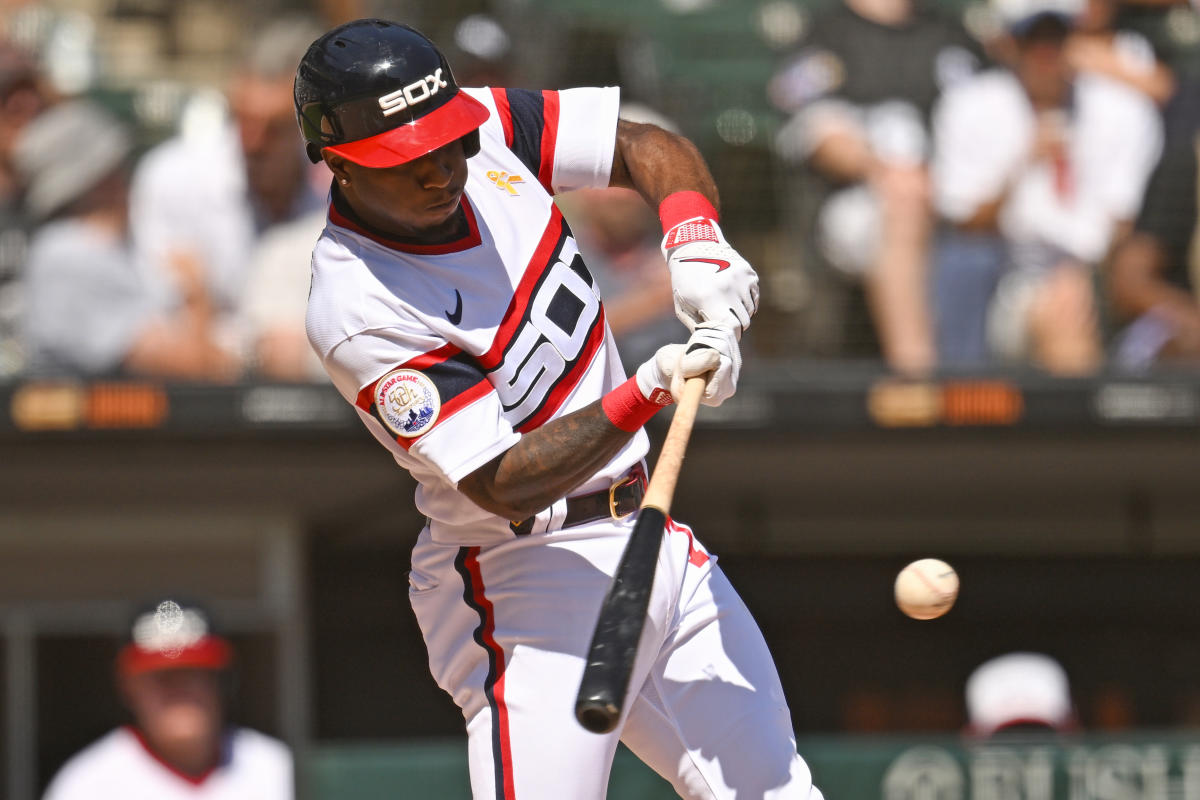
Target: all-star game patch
407,402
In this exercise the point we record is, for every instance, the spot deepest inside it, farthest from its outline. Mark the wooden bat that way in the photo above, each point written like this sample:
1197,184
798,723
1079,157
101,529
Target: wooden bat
623,613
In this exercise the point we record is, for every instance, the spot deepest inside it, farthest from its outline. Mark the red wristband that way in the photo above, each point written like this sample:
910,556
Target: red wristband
628,409
681,206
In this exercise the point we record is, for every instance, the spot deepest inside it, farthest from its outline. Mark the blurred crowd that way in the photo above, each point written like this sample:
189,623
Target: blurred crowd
1010,184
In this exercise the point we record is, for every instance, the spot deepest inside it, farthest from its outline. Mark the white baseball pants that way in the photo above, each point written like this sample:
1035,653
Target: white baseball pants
508,627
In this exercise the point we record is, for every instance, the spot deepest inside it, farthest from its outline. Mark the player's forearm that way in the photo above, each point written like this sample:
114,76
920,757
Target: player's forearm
545,464
656,163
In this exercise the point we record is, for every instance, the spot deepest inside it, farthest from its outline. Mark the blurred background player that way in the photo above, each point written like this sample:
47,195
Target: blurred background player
92,307
170,677
860,90
1052,163
1019,692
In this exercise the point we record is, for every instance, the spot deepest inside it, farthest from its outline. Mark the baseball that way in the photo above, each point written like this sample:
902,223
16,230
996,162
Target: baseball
926,588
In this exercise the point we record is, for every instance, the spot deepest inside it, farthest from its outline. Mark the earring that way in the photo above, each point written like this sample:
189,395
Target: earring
345,181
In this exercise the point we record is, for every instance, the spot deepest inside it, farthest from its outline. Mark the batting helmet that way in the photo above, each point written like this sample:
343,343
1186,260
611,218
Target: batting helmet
380,94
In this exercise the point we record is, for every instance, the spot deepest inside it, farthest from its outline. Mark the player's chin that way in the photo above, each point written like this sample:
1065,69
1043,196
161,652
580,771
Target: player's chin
442,211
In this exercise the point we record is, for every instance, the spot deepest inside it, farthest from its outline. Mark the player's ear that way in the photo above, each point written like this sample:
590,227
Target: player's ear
337,165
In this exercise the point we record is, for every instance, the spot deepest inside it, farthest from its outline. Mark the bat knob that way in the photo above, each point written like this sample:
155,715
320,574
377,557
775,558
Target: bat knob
597,716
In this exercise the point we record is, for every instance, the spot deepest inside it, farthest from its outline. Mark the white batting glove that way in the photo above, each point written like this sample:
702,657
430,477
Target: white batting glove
711,282
711,349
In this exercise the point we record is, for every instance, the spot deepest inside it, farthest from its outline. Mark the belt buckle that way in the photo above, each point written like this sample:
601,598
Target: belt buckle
628,480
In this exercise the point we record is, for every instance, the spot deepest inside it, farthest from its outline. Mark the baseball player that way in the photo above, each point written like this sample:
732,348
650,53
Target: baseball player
177,747
451,306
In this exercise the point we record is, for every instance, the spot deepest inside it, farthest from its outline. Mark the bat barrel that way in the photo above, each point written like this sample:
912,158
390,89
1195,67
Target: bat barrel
619,627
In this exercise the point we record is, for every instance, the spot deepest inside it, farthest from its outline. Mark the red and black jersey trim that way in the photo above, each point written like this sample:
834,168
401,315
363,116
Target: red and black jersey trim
467,565
530,123
517,315
458,379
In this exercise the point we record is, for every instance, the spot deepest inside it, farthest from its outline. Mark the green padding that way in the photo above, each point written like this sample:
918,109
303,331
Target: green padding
1136,765
438,770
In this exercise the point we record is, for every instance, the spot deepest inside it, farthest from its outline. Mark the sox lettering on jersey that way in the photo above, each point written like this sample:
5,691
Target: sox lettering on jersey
401,99
559,323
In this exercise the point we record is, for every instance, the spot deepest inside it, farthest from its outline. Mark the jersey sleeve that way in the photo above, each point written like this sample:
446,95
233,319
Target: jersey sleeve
565,137
427,396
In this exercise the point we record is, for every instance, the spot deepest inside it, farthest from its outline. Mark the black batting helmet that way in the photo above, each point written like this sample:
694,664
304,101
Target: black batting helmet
379,94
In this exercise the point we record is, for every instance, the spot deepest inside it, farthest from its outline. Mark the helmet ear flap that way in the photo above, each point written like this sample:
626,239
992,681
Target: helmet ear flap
471,143
314,152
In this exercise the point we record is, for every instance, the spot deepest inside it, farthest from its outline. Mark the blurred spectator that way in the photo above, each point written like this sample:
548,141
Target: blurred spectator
276,299
173,678
1150,282
92,308
22,97
201,200
861,89
1098,45
1055,163
1019,692
482,52
619,236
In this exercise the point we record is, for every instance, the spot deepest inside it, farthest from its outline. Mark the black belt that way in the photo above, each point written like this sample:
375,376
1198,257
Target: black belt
617,501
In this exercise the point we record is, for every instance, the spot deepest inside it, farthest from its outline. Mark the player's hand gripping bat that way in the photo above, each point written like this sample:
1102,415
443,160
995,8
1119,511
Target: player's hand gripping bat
623,613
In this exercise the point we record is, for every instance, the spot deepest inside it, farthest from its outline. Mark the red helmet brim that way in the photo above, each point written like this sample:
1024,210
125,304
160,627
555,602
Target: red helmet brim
412,140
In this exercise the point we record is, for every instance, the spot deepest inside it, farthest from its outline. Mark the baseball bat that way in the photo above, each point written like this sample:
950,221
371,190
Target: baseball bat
623,613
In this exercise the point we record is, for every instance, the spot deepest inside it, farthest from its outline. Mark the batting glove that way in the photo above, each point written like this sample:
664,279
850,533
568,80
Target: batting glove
711,349
711,282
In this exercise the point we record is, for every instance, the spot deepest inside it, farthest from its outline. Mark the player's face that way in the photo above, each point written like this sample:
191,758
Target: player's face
178,710
413,200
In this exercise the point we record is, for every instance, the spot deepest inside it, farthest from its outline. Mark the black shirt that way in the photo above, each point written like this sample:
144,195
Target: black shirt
852,58
1169,210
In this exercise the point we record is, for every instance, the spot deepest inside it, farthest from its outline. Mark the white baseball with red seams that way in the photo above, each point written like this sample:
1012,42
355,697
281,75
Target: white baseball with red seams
926,588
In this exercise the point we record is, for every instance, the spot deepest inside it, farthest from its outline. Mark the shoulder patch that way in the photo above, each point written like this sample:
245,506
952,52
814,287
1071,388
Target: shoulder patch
407,402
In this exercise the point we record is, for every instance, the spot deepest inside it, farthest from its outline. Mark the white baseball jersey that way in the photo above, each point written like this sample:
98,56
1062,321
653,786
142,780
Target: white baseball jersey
121,765
450,352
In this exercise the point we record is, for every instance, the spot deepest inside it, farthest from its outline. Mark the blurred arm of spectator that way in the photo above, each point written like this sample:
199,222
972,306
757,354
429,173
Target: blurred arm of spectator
276,298
92,309
1149,280
1123,55
619,237
22,97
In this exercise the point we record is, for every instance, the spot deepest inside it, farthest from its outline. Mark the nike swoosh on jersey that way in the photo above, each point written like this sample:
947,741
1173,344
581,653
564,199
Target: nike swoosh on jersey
455,316
718,263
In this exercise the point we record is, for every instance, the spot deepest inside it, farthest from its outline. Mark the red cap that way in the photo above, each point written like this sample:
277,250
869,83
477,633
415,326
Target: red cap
210,652
411,140
171,636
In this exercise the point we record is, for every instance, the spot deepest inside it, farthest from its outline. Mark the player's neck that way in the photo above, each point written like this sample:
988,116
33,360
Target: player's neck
193,760
453,229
